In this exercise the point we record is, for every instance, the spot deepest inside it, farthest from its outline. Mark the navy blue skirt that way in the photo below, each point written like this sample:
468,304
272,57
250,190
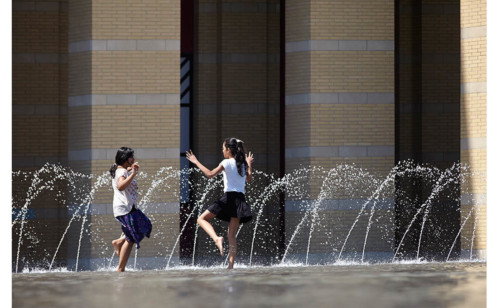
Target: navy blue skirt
135,226
231,204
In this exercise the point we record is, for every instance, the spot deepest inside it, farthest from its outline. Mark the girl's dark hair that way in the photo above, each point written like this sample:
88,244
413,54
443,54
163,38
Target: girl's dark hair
236,148
122,156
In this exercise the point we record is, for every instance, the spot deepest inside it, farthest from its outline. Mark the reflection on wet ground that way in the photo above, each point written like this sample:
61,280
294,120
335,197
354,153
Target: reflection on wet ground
455,284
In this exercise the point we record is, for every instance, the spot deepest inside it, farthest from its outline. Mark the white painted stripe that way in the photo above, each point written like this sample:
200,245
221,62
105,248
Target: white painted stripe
340,98
239,7
473,87
340,45
109,154
124,99
475,143
338,204
36,161
39,58
473,32
340,151
244,58
45,6
107,209
474,199
430,108
261,159
24,110
124,45
239,108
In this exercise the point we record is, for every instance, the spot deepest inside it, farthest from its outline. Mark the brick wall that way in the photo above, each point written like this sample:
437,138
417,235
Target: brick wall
473,123
339,102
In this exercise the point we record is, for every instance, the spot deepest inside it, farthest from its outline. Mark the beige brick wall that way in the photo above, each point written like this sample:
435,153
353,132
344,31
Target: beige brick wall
331,124
80,20
239,83
473,121
352,20
135,72
140,126
39,119
143,20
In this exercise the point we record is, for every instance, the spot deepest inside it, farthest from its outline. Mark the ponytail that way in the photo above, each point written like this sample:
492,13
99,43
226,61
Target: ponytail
236,148
112,170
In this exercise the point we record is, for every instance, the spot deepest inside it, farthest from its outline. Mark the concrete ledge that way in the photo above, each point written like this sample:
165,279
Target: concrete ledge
340,45
431,9
124,99
238,58
338,205
39,58
45,6
473,199
109,154
473,32
475,143
473,87
36,161
450,157
239,109
239,7
341,151
124,45
213,160
429,108
340,98
32,110
106,209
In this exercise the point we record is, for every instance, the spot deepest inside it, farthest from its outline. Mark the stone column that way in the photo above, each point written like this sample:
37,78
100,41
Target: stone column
39,122
124,82
339,101
236,94
474,125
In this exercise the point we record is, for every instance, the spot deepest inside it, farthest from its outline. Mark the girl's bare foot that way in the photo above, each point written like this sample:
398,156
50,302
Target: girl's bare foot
219,244
117,245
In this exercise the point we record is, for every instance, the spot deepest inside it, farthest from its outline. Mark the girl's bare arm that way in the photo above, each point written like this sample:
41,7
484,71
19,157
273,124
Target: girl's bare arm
208,173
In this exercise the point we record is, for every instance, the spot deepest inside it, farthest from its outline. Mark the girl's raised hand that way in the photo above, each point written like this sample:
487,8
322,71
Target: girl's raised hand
191,157
249,158
135,167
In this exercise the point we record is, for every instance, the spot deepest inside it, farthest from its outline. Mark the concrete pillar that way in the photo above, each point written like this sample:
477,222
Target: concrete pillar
339,102
474,124
124,66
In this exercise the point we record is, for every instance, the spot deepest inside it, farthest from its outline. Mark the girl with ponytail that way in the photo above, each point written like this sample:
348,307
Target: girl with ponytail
134,224
232,207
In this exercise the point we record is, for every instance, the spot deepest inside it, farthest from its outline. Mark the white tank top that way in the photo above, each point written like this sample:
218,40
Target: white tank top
232,179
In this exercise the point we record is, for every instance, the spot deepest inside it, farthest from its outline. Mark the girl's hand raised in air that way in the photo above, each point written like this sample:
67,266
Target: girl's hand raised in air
191,157
249,158
135,167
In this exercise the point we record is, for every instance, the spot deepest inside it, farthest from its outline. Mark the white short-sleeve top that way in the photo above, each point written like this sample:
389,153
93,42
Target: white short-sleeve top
232,179
124,200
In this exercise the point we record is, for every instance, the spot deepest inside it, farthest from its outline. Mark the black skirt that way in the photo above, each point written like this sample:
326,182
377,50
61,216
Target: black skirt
231,204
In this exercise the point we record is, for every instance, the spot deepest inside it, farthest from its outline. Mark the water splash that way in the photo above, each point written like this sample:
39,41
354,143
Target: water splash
344,182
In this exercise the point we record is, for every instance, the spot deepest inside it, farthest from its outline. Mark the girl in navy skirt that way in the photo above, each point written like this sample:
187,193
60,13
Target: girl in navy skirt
236,169
134,224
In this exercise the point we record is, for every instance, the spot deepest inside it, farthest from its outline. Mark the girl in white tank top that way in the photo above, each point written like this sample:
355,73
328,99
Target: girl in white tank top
232,207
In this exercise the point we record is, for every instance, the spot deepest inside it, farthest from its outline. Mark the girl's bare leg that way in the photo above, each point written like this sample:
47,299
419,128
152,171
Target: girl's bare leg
232,228
203,221
124,255
117,244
